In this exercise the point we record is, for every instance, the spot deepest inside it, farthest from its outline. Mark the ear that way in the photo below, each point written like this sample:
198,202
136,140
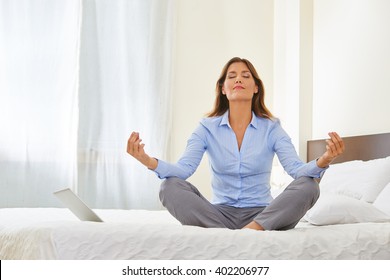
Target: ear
223,90
256,89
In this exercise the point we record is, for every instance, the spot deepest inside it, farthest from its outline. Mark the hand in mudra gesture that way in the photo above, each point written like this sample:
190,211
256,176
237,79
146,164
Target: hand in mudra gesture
135,148
334,147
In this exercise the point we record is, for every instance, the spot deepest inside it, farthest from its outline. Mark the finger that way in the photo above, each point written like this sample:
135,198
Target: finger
133,137
335,141
338,142
130,142
336,136
136,145
330,147
139,148
132,147
329,153
328,150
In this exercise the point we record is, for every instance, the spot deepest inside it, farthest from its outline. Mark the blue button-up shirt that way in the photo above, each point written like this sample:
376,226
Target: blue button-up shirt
240,177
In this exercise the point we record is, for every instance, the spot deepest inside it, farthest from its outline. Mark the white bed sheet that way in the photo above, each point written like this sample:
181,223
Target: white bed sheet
54,233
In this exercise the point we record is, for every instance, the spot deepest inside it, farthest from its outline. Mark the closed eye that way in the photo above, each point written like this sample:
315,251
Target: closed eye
246,74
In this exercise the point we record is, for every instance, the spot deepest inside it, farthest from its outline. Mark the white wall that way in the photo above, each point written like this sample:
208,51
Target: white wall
293,62
329,58
351,67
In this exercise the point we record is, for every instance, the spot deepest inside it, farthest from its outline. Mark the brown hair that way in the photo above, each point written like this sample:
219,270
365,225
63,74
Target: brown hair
221,104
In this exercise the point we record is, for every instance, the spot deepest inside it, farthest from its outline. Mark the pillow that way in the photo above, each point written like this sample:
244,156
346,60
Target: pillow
382,202
362,180
333,209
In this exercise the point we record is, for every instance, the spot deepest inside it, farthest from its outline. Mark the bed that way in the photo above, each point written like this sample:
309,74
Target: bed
346,223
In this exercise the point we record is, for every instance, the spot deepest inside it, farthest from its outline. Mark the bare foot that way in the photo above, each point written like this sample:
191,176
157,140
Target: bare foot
254,225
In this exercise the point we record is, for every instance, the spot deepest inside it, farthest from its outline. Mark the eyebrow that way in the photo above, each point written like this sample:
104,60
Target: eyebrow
234,72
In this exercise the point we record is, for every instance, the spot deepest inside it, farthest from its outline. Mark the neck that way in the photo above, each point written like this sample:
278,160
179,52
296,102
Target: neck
240,114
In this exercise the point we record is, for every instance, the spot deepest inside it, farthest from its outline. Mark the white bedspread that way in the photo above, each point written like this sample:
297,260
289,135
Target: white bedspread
51,233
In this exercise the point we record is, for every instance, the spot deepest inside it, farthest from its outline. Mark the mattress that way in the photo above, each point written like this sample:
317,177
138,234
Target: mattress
55,233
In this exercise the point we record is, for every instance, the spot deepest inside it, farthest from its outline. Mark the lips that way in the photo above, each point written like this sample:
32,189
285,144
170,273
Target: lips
238,87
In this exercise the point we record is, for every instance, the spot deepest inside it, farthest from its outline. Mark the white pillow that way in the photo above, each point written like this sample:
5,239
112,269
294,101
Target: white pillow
362,180
382,202
340,209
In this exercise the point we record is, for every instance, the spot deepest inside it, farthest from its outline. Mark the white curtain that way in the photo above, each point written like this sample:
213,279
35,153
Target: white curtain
76,77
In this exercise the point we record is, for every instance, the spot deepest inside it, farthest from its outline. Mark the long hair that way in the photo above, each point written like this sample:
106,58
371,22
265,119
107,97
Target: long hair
221,104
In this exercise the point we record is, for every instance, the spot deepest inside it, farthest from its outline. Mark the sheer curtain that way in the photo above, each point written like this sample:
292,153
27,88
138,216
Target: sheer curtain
76,77
124,86
38,99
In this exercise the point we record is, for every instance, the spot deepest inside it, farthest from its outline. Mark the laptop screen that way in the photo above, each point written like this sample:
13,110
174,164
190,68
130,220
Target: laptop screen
77,206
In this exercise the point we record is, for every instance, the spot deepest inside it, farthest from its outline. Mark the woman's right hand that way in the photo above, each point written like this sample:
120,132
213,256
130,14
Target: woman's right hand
136,149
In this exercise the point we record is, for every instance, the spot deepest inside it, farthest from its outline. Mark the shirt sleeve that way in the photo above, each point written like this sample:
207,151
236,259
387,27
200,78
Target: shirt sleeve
189,161
288,157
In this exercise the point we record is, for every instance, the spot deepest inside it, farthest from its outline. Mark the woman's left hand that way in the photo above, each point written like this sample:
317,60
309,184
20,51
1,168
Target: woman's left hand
334,148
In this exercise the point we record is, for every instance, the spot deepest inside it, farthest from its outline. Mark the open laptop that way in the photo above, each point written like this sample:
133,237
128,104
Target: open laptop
77,206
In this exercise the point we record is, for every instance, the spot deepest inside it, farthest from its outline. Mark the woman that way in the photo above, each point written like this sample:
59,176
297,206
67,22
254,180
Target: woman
241,137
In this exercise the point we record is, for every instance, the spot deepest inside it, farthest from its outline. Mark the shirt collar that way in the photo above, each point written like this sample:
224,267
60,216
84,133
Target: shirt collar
225,120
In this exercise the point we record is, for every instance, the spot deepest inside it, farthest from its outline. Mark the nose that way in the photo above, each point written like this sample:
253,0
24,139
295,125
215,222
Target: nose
238,80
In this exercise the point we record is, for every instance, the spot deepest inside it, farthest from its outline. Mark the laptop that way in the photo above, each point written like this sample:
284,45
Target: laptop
77,206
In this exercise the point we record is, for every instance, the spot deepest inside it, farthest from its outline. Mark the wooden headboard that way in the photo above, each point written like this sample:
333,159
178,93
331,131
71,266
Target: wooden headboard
363,147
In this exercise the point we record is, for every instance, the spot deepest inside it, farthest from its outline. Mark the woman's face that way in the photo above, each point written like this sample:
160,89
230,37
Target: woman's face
239,84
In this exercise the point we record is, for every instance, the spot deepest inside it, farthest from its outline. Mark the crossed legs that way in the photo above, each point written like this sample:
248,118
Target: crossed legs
189,207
